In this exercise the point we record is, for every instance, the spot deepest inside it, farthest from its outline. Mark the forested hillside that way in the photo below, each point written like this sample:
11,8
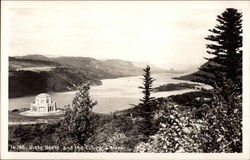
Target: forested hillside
23,83
32,76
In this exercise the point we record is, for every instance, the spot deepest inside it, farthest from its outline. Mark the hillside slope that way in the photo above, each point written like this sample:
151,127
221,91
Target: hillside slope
23,83
24,80
20,64
193,76
91,65
110,68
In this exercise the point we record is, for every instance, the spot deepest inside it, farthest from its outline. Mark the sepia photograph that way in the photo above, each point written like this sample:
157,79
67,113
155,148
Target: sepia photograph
136,78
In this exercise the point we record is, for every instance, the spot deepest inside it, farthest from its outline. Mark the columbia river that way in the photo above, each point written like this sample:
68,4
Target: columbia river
113,95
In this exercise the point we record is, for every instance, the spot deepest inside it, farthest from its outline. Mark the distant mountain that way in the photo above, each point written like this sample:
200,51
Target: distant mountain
102,69
110,68
34,57
193,76
153,67
143,64
122,67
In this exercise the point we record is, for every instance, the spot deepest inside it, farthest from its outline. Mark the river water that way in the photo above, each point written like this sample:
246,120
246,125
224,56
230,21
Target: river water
112,95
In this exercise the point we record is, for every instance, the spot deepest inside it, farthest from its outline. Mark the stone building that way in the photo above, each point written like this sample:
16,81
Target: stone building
43,103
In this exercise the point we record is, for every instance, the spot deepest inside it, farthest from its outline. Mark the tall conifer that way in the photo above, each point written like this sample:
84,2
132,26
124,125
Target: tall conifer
226,43
145,107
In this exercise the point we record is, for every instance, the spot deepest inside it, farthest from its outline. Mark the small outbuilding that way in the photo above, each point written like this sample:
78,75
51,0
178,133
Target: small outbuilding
43,103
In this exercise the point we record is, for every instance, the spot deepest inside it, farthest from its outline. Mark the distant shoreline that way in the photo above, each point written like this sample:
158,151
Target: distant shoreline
177,86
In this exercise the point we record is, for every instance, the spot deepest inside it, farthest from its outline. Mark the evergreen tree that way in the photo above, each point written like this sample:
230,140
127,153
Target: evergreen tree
145,107
226,46
77,120
224,72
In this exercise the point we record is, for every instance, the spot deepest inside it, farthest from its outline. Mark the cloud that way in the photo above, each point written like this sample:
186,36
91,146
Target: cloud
159,32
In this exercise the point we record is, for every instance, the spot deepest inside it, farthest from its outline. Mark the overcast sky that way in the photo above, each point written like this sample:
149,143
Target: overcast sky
168,34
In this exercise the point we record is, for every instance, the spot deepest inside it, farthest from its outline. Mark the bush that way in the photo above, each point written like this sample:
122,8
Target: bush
218,129
177,132
75,125
223,120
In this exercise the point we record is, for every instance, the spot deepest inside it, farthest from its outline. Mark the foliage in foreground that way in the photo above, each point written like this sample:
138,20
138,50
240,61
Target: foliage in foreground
218,130
76,121
110,133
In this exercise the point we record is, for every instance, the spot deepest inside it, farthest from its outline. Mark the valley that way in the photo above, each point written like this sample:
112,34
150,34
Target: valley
33,74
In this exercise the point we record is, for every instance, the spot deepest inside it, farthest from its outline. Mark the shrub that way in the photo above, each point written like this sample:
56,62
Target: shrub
75,125
177,132
223,120
218,129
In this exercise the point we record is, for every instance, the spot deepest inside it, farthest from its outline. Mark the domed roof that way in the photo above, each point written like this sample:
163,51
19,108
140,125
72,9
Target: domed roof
43,95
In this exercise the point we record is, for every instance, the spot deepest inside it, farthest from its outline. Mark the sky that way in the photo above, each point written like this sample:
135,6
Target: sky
167,34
